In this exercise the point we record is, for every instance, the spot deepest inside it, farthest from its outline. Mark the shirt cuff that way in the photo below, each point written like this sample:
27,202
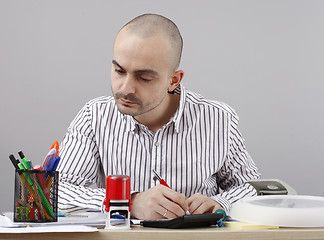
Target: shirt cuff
103,206
224,203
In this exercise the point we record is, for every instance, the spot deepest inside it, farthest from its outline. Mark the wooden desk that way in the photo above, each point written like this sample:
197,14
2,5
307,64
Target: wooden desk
171,234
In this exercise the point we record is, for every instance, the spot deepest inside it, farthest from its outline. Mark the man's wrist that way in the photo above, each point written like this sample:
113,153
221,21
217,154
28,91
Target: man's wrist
133,197
223,202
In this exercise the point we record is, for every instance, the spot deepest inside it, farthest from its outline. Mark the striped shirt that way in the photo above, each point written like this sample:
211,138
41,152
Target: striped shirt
200,150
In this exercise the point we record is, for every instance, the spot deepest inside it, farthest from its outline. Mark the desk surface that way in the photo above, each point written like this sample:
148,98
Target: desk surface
138,232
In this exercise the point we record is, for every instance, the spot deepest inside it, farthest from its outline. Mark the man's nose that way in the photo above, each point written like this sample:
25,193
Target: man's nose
129,85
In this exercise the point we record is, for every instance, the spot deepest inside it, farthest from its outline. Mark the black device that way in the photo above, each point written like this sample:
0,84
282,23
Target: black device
185,221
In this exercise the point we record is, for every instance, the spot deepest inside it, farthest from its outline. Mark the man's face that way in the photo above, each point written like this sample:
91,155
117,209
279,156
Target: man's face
140,73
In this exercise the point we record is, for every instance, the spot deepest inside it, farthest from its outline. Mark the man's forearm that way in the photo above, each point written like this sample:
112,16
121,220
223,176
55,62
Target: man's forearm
79,198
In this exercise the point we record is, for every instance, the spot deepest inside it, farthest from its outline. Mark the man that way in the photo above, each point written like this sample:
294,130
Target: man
154,123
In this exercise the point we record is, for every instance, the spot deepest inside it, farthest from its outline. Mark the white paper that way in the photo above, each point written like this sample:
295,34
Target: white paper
83,218
5,221
74,222
45,229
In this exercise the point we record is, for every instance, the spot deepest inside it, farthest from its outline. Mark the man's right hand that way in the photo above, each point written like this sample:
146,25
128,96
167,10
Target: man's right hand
157,203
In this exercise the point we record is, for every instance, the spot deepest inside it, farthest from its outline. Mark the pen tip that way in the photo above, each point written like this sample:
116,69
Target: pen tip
14,161
21,154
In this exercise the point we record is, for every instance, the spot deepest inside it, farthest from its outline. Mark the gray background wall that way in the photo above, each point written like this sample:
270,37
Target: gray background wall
264,58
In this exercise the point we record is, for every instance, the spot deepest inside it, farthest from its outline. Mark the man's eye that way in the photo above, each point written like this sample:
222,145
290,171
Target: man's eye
145,79
119,71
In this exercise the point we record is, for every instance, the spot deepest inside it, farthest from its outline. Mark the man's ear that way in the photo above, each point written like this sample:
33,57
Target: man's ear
175,80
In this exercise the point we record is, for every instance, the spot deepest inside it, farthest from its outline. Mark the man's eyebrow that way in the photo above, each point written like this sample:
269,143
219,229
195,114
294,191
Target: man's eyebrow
149,71
116,63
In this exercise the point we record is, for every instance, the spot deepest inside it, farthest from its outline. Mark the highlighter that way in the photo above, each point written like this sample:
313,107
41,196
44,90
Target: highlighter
16,164
22,156
27,175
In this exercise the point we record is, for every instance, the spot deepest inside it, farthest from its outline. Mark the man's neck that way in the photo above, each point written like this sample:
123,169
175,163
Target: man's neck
155,121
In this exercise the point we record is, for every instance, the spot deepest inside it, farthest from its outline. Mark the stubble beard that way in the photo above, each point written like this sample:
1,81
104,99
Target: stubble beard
141,109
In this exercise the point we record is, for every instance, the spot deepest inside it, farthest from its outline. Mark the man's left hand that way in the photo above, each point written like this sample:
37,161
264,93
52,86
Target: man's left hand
199,204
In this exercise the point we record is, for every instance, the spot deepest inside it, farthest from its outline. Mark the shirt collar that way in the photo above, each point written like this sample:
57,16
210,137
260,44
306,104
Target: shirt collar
179,113
132,125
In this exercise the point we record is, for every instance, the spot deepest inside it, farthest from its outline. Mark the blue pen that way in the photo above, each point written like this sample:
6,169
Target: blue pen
50,161
118,216
53,166
62,214
57,161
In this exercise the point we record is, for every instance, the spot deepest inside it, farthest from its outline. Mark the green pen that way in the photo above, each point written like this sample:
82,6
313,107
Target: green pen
22,156
46,204
27,175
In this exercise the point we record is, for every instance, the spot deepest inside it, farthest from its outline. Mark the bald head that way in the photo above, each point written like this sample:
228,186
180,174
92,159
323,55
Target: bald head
149,25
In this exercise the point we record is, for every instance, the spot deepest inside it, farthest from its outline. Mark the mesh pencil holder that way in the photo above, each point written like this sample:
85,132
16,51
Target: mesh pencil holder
36,195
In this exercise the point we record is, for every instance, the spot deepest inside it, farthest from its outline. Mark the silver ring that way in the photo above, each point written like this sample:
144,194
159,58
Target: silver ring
166,211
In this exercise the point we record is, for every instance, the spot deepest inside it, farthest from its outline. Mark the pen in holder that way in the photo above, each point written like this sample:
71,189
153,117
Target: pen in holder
118,202
36,195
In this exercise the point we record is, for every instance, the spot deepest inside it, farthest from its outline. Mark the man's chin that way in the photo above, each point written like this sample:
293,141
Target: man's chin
127,111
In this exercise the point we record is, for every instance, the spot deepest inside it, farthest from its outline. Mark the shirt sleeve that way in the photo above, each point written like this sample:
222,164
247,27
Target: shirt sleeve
238,168
80,167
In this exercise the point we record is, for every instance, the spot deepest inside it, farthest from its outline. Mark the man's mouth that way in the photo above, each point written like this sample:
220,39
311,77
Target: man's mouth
126,102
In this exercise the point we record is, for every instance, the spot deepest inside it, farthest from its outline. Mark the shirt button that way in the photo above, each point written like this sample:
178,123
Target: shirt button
156,144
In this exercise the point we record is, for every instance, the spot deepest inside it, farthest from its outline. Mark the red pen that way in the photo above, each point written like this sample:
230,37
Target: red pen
160,179
164,184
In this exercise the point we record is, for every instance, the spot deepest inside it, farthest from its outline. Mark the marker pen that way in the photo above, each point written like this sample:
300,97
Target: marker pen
22,156
16,164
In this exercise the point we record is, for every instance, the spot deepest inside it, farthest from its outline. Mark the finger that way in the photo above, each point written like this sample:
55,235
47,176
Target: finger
155,203
217,207
195,196
204,207
168,214
177,198
194,202
199,204
174,209
194,206
164,213
146,205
